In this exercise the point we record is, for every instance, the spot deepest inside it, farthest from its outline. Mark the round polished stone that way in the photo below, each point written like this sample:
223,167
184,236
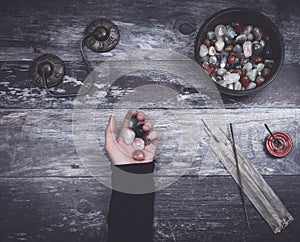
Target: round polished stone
212,50
238,48
220,30
206,42
213,60
221,71
231,78
257,59
211,35
132,122
222,83
212,67
138,155
257,33
228,48
129,136
237,86
262,43
248,66
248,29
238,27
227,40
251,85
257,49
139,132
241,38
231,59
219,45
245,81
250,36
203,50
260,66
247,48
206,67
230,32
138,144
259,80
252,74
266,72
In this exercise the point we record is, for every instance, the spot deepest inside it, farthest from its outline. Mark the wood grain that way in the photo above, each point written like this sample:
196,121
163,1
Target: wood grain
18,91
75,209
39,142
48,194
35,27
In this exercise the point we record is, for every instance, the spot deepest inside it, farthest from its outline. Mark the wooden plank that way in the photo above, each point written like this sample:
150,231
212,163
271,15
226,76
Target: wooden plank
75,209
48,194
18,91
56,142
39,209
26,33
35,27
250,181
202,221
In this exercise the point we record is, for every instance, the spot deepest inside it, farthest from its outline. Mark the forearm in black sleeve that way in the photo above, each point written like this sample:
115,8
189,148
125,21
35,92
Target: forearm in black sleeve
130,216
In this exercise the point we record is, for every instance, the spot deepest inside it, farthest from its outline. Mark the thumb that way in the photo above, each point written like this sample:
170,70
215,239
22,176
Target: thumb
110,138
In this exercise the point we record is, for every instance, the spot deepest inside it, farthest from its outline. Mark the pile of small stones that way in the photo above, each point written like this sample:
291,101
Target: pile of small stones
237,57
137,138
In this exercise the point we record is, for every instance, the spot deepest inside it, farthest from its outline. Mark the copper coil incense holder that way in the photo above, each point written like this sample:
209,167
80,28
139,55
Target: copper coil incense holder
282,147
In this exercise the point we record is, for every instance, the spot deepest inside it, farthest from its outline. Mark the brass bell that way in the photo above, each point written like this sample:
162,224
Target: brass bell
49,68
102,35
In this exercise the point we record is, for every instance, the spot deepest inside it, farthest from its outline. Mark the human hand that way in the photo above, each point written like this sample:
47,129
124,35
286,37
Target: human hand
119,151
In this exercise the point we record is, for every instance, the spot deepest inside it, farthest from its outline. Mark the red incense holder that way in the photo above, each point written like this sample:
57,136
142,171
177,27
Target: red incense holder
284,144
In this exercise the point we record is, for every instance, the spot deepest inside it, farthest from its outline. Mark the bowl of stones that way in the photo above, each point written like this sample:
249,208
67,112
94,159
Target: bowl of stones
240,49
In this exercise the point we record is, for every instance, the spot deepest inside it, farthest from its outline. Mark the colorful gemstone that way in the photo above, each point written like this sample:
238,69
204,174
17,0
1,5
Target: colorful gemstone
128,136
138,155
245,81
247,48
259,80
138,144
257,59
203,50
238,27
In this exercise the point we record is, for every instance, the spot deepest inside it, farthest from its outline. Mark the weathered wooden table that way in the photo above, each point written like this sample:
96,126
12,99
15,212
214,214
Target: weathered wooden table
47,193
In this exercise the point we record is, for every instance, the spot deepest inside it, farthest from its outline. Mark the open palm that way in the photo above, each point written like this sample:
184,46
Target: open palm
119,152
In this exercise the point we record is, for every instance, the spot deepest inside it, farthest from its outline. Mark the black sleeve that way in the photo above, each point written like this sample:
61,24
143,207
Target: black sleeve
130,216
